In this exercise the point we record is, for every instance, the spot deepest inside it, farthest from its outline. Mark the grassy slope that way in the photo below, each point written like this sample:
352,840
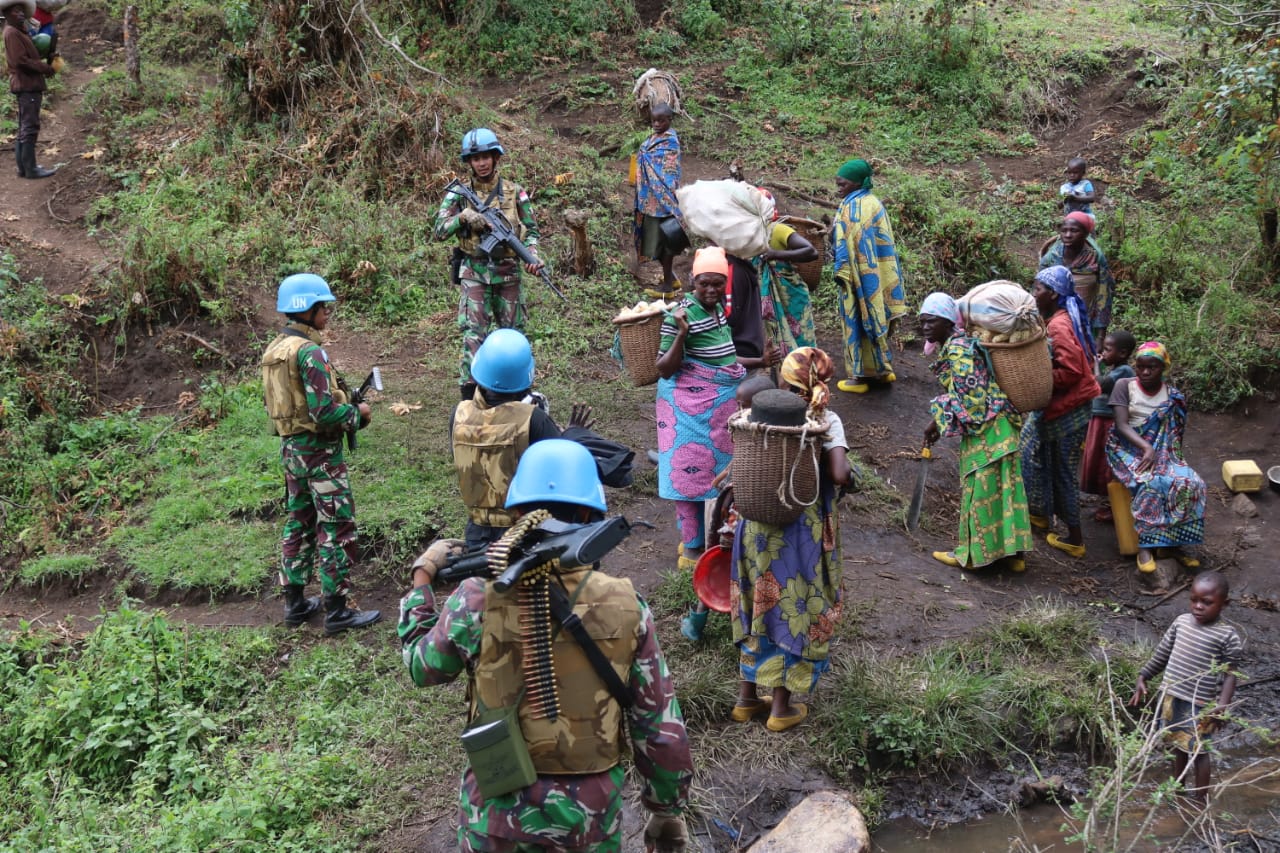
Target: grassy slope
331,732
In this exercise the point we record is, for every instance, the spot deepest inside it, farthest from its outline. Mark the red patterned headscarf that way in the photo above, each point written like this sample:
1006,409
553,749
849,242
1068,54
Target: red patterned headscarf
810,369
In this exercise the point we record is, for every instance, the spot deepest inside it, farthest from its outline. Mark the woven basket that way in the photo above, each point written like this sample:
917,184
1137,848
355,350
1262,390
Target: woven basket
774,469
815,233
1024,371
639,342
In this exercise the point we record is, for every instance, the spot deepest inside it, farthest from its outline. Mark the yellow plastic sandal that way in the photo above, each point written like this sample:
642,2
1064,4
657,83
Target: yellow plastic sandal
747,713
781,724
853,387
1146,566
1039,522
947,558
1065,547
1015,564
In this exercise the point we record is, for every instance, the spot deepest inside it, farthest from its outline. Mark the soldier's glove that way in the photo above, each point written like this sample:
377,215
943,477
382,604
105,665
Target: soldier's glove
474,220
665,835
436,557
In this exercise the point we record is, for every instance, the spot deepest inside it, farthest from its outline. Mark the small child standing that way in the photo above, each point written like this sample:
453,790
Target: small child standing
1198,655
1077,193
1112,365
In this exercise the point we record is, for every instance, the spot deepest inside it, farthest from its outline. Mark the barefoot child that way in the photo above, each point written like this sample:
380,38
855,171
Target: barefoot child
1112,365
1198,655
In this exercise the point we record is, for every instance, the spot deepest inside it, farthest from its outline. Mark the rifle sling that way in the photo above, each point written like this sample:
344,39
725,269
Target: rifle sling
562,610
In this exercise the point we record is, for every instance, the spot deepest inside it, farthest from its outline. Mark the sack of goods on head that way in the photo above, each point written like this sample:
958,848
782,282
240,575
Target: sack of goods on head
1003,316
656,87
734,215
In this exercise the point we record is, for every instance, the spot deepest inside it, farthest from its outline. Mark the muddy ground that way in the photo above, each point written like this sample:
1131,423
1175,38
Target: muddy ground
911,601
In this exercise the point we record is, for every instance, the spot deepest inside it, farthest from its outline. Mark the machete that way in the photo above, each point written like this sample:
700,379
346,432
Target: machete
917,497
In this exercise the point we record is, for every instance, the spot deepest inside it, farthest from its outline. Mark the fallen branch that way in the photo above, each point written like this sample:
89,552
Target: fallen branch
799,193
202,342
395,47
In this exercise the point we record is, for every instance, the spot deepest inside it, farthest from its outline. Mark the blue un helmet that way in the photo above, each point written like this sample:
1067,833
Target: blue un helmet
478,141
504,362
300,291
556,470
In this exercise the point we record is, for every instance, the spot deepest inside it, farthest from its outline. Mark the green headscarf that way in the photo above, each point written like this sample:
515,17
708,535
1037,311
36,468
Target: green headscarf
856,172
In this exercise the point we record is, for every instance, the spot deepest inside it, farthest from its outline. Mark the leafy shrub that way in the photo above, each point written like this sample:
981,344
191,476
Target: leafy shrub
1028,679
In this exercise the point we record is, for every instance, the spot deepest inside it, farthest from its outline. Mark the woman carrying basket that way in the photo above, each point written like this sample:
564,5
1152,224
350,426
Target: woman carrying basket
699,373
994,523
1052,442
786,591
1076,250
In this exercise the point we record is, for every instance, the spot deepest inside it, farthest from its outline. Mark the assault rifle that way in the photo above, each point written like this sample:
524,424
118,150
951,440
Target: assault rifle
574,544
500,232
372,382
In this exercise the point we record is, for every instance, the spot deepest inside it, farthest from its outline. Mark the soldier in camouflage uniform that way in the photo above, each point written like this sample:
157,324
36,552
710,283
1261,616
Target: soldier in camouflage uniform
312,416
491,295
575,803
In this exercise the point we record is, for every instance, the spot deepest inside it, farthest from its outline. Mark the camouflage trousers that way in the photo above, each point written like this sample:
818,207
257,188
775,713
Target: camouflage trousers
568,814
320,527
491,299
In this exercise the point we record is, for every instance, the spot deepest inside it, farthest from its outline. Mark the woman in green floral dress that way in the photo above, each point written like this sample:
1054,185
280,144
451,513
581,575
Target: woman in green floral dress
786,581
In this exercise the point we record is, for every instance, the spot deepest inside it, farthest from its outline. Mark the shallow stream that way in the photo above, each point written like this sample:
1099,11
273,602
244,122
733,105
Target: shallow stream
1252,799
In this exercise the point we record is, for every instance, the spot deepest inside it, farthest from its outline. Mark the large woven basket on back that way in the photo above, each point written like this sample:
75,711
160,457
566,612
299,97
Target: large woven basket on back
639,340
815,233
1024,371
775,468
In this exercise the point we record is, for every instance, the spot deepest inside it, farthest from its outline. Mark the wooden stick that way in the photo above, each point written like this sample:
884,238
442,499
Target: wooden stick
799,193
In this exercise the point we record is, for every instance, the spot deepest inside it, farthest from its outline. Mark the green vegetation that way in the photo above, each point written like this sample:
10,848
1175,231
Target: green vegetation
145,733
149,736
1029,680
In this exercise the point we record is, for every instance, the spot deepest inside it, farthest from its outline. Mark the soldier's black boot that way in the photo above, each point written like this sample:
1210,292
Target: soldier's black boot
17,155
339,617
297,607
29,167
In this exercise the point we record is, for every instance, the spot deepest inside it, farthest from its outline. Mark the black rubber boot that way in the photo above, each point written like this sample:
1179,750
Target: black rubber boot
29,167
17,155
297,607
338,617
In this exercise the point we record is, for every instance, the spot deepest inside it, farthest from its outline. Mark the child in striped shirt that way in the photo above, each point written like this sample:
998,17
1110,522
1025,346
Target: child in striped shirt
1198,655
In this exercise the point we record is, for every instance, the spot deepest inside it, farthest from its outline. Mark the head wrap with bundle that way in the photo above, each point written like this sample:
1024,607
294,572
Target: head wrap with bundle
809,369
940,304
1153,349
856,172
710,259
1059,280
1082,219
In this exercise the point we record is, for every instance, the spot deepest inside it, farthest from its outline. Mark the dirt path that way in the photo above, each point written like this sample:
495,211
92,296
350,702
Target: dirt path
42,222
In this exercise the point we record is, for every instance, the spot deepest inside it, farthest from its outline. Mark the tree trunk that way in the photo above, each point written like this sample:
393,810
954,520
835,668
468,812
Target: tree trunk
131,62
581,256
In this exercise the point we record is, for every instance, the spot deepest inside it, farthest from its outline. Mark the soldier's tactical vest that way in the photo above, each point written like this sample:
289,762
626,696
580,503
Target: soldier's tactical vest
504,200
586,736
282,387
487,444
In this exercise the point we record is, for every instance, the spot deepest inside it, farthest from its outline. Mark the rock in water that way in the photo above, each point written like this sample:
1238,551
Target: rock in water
826,820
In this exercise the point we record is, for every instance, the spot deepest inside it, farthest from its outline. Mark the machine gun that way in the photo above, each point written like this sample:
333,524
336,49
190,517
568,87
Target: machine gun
372,382
573,544
500,232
